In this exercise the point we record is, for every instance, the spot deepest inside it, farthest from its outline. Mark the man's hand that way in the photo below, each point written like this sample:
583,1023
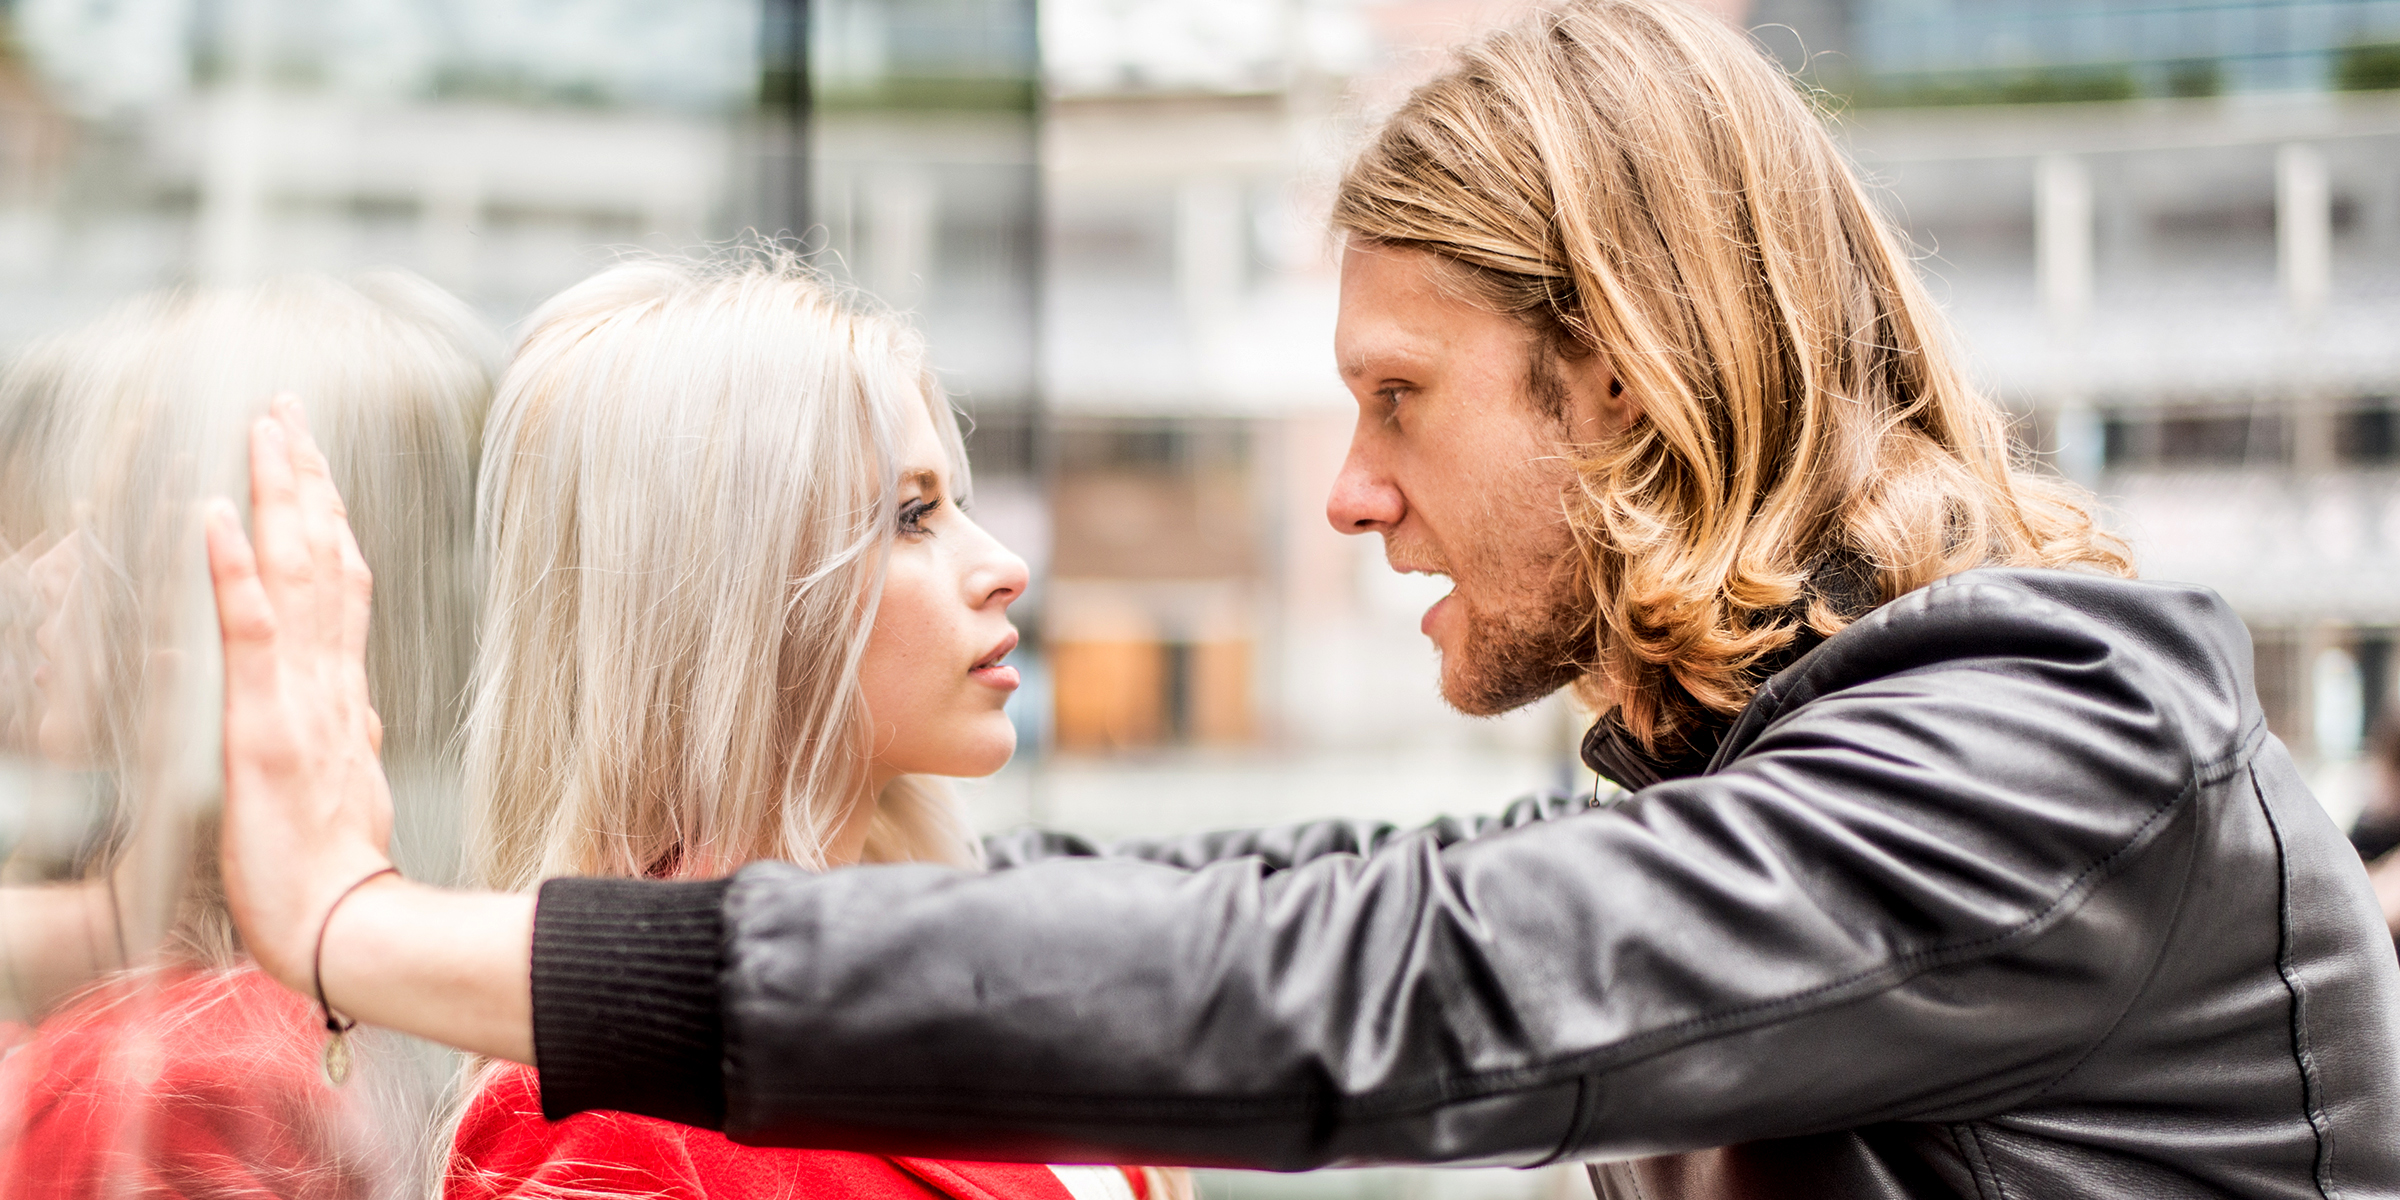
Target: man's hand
307,810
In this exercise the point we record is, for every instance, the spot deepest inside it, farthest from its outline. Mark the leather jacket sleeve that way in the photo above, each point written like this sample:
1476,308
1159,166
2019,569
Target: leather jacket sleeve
1278,847
1926,880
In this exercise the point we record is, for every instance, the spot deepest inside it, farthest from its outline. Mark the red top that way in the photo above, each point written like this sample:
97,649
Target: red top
181,1083
505,1149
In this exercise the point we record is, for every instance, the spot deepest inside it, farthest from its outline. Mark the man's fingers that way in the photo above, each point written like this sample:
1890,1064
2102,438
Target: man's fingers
244,616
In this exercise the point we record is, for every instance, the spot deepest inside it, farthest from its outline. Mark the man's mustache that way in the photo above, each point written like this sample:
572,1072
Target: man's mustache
1409,558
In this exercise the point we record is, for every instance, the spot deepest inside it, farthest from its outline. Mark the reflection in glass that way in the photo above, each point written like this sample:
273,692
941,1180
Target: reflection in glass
146,1054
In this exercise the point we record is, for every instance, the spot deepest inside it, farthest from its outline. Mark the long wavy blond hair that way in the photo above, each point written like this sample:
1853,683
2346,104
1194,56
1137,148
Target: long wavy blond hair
1631,177
687,496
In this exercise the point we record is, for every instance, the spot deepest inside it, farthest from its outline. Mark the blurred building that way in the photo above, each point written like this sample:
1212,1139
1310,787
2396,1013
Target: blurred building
2169,235
2168,232
1211,651
503,150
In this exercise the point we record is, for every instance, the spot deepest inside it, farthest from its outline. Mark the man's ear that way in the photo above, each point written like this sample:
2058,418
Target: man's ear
1598,404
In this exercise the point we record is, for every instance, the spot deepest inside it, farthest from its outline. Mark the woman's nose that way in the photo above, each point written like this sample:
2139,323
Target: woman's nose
1000,578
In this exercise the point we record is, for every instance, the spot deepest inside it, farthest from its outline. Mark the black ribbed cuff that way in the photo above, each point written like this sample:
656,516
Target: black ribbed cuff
625,1006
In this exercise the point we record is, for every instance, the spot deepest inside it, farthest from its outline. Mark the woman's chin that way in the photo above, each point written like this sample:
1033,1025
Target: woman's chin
973,751
996,748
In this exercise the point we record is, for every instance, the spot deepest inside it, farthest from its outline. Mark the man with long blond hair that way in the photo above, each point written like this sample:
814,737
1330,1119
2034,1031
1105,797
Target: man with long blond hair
1955,862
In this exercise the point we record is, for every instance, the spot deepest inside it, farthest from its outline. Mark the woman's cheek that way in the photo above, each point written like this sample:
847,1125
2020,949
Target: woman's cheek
903,675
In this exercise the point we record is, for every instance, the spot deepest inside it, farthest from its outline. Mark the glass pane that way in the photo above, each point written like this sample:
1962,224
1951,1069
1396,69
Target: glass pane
202,205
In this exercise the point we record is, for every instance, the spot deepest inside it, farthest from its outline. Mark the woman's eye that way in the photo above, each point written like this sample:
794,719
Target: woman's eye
913,514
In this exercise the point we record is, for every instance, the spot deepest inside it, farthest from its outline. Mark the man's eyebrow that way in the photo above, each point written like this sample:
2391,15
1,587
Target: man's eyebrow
1387,358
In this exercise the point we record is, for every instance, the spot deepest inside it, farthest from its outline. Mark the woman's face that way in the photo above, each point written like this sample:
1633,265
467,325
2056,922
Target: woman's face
932,673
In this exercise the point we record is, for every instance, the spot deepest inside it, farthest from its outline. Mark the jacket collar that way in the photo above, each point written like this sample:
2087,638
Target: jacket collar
1614,754
1611,752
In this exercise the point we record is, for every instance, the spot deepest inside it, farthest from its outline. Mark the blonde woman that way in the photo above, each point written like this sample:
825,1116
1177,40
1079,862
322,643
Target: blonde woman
735,610
162,1061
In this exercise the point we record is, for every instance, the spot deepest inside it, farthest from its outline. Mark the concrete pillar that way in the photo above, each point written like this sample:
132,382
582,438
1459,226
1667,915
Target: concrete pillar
2062,230
2303,226
2312,433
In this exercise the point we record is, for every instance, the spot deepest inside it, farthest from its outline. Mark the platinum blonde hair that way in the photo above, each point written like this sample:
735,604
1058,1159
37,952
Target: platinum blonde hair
688,493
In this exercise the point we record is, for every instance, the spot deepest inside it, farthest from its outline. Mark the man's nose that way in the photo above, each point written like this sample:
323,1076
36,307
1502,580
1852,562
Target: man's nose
1364,499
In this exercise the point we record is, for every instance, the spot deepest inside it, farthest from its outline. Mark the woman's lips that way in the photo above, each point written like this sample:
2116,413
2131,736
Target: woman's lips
992,672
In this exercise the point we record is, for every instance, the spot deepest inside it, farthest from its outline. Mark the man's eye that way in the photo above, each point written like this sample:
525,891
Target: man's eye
913,514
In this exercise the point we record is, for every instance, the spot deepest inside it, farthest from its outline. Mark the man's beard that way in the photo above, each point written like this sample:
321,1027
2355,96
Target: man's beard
1508,662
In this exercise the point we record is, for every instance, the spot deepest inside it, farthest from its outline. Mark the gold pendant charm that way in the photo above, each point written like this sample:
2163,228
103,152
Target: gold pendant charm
337,1059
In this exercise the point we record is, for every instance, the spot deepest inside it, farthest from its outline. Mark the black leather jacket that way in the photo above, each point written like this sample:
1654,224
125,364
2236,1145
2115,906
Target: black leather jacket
2004,891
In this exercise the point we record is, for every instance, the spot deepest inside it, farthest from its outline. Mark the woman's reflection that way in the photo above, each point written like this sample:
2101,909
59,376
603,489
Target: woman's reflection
156,1061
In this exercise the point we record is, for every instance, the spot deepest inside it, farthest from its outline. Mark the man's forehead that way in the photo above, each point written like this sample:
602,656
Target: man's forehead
1376,336
1394,314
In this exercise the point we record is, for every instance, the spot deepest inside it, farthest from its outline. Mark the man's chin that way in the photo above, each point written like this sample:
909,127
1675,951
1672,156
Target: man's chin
1481,694
1502,666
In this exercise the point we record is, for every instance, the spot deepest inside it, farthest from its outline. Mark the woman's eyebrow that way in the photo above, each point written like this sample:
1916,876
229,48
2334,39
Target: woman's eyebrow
925,478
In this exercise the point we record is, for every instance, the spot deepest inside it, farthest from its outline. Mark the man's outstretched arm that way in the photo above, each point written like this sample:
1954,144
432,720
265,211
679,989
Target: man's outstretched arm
1280,847
1816,937
1866,918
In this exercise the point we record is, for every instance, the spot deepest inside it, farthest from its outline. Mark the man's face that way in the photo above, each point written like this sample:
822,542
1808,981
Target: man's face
1460,468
